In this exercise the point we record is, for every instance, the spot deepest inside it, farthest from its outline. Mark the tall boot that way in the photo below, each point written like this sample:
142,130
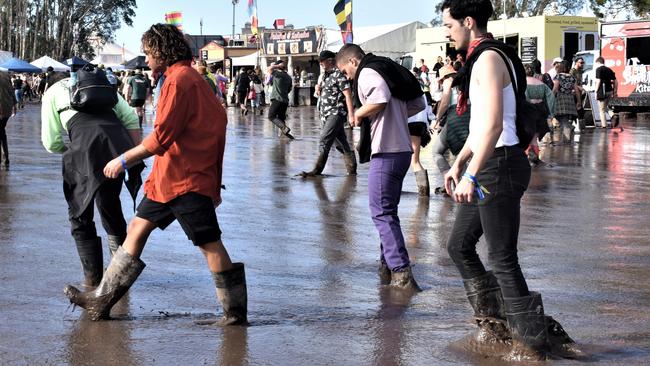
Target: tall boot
318,168
231,291
422,180
384,272
283,127
529,328
484,295
350,160
92,260
120,275
114,242
140,120
567,135
404,280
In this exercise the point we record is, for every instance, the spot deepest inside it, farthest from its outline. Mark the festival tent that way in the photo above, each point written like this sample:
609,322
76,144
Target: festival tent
17,65
136,63
113,56
75,61
248,60
44,62
389,40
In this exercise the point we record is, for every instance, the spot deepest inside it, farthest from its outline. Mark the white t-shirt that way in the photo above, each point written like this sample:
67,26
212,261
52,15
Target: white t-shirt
389,128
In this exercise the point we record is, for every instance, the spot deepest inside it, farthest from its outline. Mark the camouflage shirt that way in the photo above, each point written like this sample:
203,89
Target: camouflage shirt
332,99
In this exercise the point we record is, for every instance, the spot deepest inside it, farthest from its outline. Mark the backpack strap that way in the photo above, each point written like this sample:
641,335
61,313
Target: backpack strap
508,62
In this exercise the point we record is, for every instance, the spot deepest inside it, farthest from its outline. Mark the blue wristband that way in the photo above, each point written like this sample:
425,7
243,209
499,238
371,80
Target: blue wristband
126,171
480,190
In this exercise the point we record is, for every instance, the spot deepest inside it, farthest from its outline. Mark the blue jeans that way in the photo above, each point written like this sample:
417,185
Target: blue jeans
18,93
385,178
506,175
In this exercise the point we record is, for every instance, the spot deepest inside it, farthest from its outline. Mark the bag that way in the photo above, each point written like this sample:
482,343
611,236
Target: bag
529,115
92,93
252,95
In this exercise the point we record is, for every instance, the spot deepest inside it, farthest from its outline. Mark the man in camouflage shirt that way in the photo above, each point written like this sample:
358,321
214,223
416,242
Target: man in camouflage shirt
335,108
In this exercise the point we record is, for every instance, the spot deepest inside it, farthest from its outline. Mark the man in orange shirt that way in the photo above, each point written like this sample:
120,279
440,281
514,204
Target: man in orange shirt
188,140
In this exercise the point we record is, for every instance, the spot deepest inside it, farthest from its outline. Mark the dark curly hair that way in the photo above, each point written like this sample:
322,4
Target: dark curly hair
166,43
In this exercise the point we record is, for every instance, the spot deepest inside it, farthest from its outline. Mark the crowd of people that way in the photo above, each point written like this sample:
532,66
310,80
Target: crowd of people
467,107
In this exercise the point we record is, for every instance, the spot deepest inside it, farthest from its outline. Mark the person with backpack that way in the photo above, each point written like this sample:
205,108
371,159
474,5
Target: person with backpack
242,87
489,188
256,93
136,94
99,130
387,94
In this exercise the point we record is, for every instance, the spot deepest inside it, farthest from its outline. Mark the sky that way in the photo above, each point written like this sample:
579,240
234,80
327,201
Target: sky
217,15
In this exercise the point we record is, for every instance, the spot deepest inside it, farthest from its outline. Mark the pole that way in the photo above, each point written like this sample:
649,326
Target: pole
232,37
505,16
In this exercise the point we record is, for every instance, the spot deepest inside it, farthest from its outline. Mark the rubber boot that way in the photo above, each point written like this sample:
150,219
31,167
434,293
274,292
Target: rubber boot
283,127
422,180
318,168
261,111
484,295
140,120
529,328
286,131
120,275
350,160
567,135
231,291
404,280
92,260
114,242
385,273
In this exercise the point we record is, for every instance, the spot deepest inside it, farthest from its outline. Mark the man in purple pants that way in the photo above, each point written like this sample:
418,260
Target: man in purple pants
390,145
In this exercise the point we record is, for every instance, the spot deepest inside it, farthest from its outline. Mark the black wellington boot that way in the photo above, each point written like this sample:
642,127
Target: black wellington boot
350,160
404,280
318,167
120,275
231,291
529,328
92,260
114,242
484,295
422,180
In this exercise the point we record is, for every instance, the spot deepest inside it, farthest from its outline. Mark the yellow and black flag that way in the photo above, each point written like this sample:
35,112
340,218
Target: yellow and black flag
343,11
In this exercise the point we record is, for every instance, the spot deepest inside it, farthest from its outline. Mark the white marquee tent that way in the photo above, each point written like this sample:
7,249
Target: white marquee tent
44,62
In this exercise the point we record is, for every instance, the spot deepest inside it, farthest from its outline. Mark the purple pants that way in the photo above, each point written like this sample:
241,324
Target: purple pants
385,178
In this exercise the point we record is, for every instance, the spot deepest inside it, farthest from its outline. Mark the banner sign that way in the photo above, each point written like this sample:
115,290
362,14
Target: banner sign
292,42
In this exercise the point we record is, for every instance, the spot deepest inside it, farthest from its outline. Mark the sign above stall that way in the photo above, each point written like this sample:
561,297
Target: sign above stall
298,42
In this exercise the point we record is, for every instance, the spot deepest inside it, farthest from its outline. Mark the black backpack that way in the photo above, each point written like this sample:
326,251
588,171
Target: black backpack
92,93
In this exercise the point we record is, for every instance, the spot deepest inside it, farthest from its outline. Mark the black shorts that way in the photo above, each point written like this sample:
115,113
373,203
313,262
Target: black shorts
278,110
136,102
194,211
417,128
242,97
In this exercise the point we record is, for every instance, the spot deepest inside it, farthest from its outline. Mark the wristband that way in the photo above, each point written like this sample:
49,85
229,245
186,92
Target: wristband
480,190
126,171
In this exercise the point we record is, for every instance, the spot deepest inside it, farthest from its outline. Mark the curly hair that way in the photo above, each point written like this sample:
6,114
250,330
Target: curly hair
166,43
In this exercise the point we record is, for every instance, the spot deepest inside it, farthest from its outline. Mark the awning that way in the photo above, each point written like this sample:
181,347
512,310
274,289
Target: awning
248,60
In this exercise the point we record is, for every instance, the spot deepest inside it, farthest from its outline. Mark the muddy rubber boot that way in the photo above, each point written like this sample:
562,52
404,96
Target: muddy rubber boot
92,260
484,295
231,291
529,328
114,242
404,280
560,343
422,180
385,273
350,160
286,131
120,275
318,168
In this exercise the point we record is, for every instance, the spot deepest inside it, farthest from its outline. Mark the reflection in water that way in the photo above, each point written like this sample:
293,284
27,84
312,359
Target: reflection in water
389,345
234,346
418,222
101,343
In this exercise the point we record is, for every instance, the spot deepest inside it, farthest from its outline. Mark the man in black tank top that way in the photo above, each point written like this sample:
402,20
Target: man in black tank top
489,188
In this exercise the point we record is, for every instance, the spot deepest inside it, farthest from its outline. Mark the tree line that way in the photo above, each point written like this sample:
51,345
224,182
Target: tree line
60,28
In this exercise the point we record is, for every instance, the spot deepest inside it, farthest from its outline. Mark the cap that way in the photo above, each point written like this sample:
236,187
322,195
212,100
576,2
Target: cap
557,60
278,62
445,71
326,55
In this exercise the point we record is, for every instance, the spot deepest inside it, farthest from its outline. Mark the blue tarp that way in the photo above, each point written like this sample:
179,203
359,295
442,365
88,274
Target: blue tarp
18,65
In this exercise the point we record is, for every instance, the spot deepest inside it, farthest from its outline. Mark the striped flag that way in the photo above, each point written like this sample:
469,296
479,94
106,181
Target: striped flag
343,12
175,18
252,14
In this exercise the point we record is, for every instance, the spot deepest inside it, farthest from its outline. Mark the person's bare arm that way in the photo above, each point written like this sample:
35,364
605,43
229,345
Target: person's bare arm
445,99
350,106
136,135
135,155
556,87
367,110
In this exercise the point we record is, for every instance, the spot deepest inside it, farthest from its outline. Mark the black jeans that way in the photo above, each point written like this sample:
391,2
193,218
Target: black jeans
333,132
108,203
506,175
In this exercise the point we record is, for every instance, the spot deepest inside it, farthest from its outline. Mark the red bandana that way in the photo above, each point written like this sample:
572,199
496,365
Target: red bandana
462,106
